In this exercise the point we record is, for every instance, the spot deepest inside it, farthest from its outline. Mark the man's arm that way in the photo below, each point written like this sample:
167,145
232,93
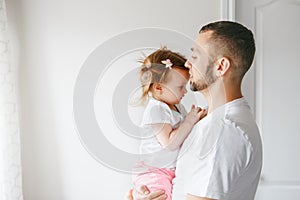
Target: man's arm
192,197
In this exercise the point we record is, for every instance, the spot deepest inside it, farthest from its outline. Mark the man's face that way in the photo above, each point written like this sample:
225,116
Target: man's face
200,63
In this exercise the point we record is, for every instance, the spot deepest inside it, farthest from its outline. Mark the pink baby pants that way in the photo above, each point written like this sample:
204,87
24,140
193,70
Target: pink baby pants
158,179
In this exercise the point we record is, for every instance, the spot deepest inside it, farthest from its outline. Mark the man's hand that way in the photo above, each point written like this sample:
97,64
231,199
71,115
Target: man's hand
142,193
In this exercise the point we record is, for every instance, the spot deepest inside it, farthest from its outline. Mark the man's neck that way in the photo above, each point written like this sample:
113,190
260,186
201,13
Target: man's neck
219,94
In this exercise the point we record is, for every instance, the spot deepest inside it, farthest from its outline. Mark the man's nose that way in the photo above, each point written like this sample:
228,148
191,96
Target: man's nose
187,64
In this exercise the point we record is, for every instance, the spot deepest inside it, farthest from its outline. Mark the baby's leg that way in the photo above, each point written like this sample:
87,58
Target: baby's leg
159,179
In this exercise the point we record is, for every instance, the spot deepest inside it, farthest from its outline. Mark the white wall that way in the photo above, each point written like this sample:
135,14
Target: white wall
55,39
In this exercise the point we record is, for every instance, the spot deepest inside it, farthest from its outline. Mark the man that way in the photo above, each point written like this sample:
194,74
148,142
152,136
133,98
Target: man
222,156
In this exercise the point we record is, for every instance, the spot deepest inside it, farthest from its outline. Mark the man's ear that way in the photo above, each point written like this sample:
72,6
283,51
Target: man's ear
223,65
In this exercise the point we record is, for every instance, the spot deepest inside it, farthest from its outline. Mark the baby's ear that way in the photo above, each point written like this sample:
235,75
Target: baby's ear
157,87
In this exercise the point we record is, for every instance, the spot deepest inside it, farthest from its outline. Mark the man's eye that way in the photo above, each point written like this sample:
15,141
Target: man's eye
194,57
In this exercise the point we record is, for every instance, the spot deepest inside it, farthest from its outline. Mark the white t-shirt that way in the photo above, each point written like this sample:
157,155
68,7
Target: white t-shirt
153,154
222,156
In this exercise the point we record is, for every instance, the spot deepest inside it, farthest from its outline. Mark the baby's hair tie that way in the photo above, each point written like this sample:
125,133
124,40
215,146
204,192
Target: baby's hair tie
168,63
148,65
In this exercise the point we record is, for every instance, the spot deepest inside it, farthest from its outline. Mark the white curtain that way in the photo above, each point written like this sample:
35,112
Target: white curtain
10,164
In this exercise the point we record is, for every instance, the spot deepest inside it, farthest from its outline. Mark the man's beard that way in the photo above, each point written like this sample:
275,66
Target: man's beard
205,81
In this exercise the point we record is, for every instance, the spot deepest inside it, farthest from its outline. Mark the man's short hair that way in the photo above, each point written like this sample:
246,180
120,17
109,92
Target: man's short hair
234,41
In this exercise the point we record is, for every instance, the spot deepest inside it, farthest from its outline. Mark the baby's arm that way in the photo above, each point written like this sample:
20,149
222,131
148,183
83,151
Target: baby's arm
172,139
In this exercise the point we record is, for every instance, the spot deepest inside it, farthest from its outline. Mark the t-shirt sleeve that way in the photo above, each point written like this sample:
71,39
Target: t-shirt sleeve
214,175
156,113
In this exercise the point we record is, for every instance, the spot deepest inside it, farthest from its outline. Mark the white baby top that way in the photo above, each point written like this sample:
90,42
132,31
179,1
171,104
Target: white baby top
153,154
222,156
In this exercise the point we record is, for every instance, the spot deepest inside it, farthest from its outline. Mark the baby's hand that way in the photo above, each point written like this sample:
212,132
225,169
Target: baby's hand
195,114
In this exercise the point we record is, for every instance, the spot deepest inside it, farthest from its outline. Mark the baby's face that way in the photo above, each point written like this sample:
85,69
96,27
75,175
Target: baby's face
175,87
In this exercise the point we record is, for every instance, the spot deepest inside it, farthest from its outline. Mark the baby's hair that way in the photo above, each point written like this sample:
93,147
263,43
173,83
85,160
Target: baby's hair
154,71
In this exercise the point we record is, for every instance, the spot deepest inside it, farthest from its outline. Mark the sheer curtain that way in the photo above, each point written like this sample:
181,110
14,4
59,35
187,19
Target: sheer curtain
10,164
